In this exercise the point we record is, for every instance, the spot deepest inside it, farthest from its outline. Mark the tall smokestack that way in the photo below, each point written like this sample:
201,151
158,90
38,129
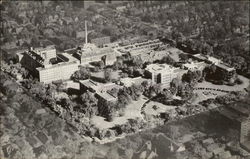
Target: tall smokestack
86,33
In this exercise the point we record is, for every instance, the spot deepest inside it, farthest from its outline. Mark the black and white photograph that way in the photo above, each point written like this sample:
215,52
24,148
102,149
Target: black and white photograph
124,79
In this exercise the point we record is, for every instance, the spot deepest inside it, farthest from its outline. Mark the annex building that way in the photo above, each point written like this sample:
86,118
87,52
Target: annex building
90,53
101,90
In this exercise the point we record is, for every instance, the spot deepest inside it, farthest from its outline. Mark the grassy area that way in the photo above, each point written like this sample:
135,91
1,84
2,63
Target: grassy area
132,111
160,108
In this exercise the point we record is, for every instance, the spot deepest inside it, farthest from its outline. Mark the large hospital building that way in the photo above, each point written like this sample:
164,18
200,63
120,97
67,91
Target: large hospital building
163,73
48,66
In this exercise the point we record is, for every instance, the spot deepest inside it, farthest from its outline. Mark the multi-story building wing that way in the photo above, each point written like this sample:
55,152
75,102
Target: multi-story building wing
162,73
62,70
48,66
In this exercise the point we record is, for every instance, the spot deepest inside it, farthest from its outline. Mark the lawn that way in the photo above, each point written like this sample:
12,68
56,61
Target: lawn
160,108
132,111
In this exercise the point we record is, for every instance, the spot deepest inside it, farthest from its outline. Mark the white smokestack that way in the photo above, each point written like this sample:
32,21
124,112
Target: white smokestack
86,33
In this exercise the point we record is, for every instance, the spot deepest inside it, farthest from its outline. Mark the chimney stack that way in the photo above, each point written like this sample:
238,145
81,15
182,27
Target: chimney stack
86,33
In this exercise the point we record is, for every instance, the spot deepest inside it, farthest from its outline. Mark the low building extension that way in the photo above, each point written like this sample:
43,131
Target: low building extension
222,68
194,66
101,90
90,53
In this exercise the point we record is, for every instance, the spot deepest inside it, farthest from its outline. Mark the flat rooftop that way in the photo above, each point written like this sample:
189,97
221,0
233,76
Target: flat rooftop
246,145
35,57
99,86
65,59
101,89
200,56
96,52
40,49
160,68
241,108
225,67
195,64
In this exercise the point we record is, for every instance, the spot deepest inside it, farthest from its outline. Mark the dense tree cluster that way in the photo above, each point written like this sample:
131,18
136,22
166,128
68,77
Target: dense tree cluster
89,104
192,77
82,74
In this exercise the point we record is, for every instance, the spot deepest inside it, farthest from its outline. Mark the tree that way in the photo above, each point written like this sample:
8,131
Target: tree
174,84
67,104
123,98
24,72
108,74
51,89
153,90
38,90
185,91
137,62
81,74
183,57
35,41
168,60
118,64
192,77
101,64
130,70
207,49
89,104
145,85
88,99
166,95
135,91
210,73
